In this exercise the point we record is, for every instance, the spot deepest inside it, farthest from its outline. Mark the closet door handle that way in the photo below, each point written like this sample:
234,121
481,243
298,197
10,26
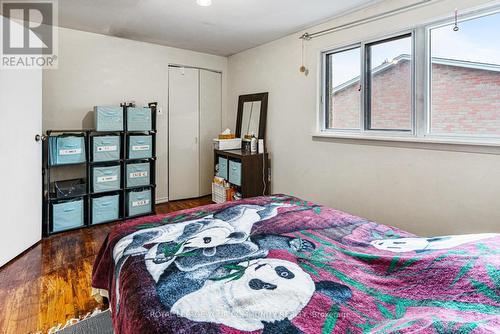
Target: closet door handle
196,140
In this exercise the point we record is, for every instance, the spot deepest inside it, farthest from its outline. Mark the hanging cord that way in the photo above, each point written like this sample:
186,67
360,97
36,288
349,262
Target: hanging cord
303,68
264,172
456,28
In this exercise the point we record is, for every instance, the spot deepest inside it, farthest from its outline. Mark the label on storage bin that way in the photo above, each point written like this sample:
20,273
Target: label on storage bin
109,178
140,148
107,148
138,174
140,203
70,151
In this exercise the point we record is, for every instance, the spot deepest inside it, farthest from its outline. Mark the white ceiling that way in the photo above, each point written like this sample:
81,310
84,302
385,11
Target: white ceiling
225,28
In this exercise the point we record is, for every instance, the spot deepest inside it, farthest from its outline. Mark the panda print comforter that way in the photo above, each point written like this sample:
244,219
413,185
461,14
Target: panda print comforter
281,265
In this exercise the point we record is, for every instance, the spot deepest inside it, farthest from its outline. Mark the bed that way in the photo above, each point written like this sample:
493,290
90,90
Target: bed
282,265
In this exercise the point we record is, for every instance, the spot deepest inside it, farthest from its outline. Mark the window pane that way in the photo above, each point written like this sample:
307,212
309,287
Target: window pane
390,84
465,78
343,103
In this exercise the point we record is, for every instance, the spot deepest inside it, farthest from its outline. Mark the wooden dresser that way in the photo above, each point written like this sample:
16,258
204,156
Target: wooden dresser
247,171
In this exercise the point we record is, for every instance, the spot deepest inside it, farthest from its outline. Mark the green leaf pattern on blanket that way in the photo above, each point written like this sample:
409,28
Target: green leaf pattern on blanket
318,260
446,327
145,226
393,264
237,272
385,312
174,219
390,234
485,250
172,251
302,205
465,269
331,319
494,275
485,290
182,217
309,269
361,256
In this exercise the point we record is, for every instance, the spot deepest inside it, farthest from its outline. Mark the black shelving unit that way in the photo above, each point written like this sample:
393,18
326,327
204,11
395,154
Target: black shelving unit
50,197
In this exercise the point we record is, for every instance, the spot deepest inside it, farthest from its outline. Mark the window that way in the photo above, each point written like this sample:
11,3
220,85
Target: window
386,102
371,88
389,84
465,77
343,90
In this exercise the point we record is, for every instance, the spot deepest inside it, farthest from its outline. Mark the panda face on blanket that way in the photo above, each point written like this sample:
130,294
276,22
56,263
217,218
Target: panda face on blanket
205,236
241,288
401,245
238,220
211,237
271,291
208,245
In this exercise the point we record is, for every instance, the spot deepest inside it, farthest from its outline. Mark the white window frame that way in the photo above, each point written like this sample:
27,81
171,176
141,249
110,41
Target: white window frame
364,70
421,93
363,131
324,94
475,138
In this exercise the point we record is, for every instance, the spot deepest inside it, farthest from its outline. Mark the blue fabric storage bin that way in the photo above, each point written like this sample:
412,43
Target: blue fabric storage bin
65,150
67,215
108,118
105,209
106,148
138,174
235,172
140,147
139,119
106,178
222,172
138,202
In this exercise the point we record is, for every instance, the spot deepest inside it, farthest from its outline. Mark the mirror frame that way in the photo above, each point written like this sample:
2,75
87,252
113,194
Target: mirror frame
262,97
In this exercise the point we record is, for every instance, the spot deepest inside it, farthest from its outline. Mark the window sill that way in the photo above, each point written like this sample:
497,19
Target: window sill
430,143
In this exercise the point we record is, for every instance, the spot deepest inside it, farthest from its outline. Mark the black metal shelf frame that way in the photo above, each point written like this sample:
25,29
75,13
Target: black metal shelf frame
49,198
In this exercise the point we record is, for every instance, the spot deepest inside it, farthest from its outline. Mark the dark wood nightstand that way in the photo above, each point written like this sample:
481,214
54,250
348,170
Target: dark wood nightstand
249,172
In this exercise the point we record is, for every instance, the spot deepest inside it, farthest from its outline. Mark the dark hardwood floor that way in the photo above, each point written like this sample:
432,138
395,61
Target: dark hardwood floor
50,283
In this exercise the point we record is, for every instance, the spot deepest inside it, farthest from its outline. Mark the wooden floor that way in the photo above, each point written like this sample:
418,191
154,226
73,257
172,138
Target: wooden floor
50,283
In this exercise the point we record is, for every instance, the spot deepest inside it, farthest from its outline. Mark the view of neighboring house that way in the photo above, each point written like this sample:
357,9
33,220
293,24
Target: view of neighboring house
465,97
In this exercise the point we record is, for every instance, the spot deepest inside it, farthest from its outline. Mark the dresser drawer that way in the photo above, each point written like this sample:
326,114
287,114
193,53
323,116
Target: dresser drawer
235,172
222,168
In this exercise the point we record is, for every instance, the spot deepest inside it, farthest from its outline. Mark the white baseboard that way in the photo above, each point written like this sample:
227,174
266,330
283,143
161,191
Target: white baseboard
161,200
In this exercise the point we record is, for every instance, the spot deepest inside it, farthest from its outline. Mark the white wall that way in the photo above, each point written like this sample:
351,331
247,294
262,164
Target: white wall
422,190
101,70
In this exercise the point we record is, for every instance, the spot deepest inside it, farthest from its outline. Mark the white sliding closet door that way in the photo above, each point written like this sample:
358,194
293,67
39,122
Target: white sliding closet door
183,124
210,125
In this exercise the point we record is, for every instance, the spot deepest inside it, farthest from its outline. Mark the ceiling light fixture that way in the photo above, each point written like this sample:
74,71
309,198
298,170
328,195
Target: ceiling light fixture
204,3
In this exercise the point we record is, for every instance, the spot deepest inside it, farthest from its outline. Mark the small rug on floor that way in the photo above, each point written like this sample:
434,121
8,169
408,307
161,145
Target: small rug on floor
98,323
